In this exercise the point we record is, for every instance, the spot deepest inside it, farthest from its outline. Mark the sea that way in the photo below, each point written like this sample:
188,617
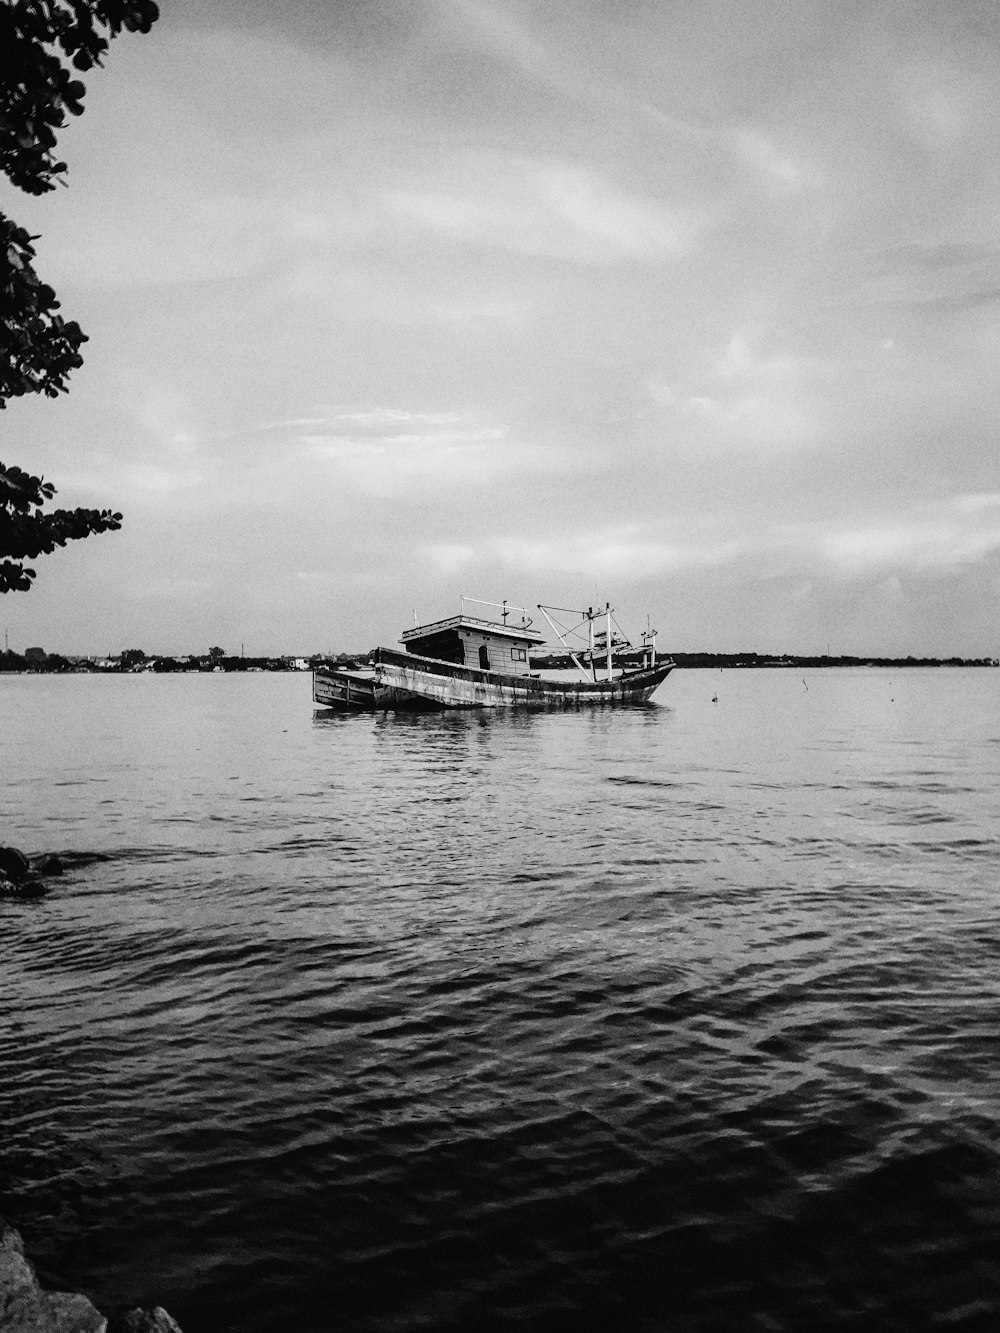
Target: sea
679,1018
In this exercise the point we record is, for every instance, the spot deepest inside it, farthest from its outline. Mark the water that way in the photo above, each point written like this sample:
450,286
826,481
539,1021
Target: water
680,1018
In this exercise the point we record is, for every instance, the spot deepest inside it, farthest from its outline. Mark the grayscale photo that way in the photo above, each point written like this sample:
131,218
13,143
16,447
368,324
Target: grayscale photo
499,692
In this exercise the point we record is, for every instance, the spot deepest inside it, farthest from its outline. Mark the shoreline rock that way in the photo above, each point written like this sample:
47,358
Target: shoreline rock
25,877
26,1308
145,1321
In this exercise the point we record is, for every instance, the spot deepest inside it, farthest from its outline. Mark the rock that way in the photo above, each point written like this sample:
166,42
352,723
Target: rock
47,864
32,886
26,1308
147,1321
14,865
21,878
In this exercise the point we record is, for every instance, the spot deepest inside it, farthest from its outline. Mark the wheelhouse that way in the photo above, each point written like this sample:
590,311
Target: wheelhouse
482,643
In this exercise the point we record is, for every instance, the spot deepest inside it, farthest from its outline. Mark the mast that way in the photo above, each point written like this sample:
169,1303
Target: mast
598,643
561,634
649,645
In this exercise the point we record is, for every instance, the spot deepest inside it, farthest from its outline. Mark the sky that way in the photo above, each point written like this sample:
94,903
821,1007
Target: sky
689,306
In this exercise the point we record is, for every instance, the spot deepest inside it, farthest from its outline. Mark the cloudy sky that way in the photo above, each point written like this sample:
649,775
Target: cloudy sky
687,304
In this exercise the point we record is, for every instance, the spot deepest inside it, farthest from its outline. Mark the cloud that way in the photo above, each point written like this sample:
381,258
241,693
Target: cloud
498,32
947,275
938,104
931,539
747,397
383,421
943,255
388,465
171,587
942,537
503,311
160,480
390,452
782,171
542,207
448,558
626,551
975,504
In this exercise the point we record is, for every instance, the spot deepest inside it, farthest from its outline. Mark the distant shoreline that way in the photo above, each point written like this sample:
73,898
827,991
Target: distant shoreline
745,660
767,660
32,663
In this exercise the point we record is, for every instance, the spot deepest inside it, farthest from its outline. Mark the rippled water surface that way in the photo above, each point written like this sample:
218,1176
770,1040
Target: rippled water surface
676,1018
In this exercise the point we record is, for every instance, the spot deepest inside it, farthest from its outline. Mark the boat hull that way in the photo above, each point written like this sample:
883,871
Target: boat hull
350,692
404,682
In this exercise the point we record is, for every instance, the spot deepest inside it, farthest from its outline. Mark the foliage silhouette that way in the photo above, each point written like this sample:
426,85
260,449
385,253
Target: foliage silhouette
42,43
26,533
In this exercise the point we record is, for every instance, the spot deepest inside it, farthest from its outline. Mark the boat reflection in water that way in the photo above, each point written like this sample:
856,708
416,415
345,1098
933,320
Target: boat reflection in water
475,661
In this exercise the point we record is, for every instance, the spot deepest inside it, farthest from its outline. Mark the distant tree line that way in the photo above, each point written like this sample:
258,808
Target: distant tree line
217,659
558,661
132,660
784,660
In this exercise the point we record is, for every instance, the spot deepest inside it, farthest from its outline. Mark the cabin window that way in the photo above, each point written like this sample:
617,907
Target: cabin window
519,654
484,657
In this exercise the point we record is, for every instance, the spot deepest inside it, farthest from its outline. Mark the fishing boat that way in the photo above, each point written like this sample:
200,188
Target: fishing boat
484,660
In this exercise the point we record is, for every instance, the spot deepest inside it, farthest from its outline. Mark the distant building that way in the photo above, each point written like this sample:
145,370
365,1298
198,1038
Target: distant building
35,654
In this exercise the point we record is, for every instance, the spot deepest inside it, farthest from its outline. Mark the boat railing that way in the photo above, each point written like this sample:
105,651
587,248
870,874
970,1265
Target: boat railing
505,610
480,622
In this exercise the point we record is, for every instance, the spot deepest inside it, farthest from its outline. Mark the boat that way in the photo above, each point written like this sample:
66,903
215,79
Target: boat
477,660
